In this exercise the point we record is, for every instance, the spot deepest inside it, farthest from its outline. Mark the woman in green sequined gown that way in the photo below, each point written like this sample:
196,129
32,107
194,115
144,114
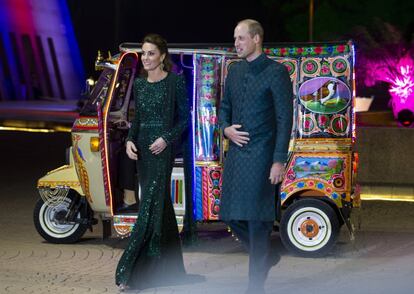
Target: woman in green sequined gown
153,256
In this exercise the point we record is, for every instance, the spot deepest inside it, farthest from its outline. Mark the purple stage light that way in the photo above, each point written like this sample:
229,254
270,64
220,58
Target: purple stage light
39,50
402,86
399,74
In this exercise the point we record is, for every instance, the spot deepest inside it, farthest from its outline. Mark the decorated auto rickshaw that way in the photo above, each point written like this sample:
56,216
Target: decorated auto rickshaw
318,190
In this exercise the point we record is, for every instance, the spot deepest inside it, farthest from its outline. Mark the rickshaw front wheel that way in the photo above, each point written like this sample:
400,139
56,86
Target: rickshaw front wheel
309,227
50,222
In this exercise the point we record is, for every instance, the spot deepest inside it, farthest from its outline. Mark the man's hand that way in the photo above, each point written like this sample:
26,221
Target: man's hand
158,146
131,150
276,173
237,137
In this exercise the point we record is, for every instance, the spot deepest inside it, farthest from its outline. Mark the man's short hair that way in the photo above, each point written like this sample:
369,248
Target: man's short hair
255,28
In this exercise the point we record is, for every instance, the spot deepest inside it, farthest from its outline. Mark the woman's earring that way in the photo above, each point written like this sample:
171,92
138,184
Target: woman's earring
161,65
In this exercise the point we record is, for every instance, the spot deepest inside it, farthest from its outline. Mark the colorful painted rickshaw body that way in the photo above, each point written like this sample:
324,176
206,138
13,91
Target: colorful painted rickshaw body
317,192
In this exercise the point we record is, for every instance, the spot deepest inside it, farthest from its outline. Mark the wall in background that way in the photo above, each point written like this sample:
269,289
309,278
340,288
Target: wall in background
385,155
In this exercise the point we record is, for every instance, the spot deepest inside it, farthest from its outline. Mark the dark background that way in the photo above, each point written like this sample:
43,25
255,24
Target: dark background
104,24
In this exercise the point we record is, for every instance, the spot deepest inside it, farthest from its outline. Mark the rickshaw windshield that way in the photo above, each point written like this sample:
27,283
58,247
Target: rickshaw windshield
121,88
99,92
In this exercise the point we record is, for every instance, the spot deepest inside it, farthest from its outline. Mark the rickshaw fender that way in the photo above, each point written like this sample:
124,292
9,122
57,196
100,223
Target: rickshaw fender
62,176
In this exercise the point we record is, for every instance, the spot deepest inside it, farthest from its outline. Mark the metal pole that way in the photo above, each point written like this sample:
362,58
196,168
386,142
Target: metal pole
311,10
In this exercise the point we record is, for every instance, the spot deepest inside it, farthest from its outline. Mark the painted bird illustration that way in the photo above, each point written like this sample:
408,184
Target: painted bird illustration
323,94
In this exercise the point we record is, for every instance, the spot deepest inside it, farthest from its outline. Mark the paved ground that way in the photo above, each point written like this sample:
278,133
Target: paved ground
380,260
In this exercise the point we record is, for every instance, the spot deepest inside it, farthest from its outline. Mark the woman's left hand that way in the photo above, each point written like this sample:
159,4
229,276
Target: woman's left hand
158,146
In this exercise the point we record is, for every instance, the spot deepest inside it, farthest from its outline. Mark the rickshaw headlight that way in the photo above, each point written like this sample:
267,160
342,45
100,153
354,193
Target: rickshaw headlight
94,144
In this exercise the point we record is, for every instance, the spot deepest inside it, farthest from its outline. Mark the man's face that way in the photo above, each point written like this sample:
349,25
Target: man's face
245,44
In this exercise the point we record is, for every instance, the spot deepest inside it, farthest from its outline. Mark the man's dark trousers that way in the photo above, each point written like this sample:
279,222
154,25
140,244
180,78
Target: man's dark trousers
255,236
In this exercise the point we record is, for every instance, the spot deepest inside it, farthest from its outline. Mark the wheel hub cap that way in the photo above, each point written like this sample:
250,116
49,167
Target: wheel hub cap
309,228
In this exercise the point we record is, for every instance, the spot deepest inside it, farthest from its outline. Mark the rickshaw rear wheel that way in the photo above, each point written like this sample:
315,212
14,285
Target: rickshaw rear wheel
309,228
51,225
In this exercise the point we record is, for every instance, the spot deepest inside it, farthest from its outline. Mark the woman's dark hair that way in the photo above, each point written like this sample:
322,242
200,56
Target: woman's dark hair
161,44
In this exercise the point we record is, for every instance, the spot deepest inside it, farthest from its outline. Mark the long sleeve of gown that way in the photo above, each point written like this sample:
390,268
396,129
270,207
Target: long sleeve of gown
133,131
182,112
282,91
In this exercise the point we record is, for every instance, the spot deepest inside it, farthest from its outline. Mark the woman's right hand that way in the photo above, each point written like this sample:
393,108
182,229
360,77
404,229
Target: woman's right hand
131,150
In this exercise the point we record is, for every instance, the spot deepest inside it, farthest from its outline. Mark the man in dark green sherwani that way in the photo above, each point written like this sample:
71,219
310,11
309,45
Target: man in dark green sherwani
256,115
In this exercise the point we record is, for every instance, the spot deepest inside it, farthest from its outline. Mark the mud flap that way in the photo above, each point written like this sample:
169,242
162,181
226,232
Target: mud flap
345,213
